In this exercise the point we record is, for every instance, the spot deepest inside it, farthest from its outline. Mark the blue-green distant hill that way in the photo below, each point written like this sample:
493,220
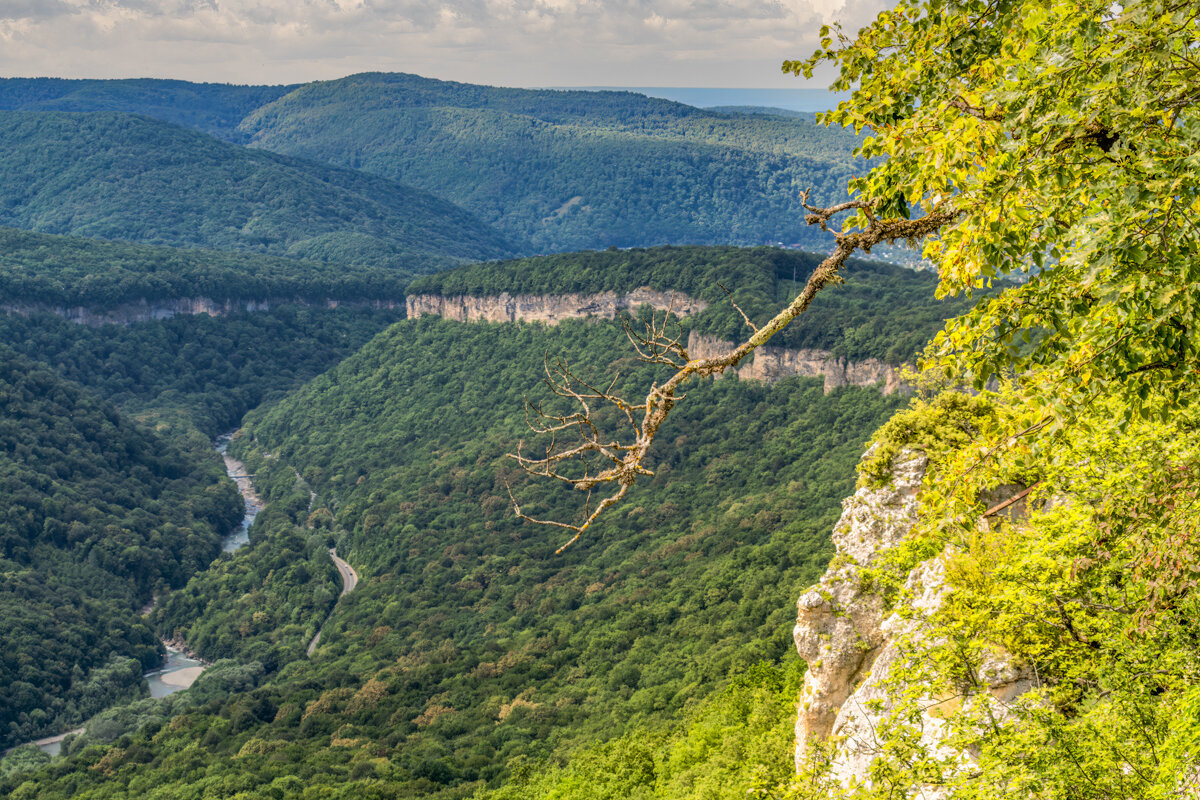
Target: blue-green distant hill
120,176
553,170
214,108
570,169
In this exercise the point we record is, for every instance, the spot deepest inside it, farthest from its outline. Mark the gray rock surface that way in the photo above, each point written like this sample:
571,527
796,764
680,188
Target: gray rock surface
854,645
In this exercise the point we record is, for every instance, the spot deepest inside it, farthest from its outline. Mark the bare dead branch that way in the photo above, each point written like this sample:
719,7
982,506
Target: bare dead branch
745,319
593,461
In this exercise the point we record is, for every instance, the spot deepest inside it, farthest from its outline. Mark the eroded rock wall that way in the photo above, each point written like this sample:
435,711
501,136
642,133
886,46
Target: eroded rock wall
774,363
856,647
766,364
143,311
550,309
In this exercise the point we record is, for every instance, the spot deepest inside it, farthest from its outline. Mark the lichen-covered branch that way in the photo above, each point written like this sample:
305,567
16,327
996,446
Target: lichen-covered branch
593,461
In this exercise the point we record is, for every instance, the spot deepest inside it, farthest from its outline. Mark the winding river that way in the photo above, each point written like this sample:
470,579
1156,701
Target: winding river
180,670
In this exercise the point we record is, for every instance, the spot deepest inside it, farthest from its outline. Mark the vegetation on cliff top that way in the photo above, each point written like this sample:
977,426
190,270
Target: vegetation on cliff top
882,311
71,271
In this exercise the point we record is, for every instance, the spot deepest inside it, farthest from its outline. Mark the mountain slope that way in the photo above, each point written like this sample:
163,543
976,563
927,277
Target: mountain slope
468,643
119,176
213,108
569,170
97,515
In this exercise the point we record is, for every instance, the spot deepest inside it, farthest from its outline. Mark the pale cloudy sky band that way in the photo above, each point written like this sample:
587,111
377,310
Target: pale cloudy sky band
739,43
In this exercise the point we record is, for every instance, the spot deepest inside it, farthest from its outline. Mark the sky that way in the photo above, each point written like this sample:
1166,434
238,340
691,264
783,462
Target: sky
530,43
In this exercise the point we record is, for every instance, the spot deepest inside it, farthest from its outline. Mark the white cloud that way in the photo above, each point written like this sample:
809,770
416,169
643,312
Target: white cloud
509,42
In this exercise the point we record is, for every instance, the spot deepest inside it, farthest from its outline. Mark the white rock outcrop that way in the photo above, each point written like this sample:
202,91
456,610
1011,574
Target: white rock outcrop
549,308
853,644
839,626
768,363
771,364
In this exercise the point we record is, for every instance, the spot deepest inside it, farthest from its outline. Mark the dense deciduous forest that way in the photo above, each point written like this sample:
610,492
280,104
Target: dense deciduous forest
122,176
98,515
71,271
212,108
196,372
596,168
102,512
468,645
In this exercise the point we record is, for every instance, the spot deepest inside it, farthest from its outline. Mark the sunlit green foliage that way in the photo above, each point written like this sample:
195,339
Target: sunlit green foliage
1063,136
730,745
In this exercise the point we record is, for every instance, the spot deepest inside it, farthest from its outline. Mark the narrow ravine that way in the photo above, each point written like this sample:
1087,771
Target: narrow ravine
180,669
237,471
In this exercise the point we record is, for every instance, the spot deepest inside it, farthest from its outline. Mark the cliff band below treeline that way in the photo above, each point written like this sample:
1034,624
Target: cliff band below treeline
768,363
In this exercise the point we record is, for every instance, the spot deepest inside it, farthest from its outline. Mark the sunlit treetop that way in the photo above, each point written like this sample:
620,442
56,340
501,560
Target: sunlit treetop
1065,138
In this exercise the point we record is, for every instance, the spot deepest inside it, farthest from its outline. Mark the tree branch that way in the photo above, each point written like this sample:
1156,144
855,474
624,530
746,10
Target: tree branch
621,464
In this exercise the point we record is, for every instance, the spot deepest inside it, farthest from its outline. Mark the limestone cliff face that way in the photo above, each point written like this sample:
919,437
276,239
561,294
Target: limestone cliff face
550,309
144,311
852,643
766,364
774,363
839,626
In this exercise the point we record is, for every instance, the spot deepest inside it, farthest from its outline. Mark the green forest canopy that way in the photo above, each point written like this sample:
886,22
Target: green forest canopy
467,644
98,513
119,176
72,271
597,168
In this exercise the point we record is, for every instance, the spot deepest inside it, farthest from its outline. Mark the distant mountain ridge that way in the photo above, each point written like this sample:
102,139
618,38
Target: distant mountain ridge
120,176
212,108
554,170
570,169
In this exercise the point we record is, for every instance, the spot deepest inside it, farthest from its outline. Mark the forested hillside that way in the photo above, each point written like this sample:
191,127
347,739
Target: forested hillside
553,170
882,311
120,176
569,170
102,513
72,271
98,514
196,371
213,108
468,643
